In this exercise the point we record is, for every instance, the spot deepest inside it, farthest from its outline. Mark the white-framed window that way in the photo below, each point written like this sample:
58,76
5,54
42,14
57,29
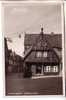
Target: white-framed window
48,68
39,54
55,69
44,54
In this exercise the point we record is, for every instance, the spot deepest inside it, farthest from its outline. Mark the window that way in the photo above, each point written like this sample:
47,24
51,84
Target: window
48,68
42,54
55,68
10,61
45,54
39,54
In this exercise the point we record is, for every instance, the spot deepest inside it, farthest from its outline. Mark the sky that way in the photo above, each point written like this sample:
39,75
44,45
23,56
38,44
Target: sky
21,18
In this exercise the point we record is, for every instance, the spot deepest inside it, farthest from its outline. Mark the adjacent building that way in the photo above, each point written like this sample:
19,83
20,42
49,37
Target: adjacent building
13,62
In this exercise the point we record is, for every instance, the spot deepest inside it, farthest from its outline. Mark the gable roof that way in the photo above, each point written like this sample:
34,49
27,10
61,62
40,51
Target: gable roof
36,40
54,39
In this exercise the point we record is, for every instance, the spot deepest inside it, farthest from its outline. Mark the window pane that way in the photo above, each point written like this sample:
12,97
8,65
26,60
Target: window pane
39,54
48,68
45,54
38,69
55,69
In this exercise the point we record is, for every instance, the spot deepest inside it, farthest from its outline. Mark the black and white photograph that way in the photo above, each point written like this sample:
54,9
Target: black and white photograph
33,54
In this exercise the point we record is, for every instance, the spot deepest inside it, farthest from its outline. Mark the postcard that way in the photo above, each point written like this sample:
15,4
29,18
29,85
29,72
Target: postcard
33,48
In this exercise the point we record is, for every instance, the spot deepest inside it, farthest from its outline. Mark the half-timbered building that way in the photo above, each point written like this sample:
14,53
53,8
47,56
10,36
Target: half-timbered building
43,54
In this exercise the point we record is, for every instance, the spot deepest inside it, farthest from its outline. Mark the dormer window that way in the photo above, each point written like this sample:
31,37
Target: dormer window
44,54
48,69
55,69
39,54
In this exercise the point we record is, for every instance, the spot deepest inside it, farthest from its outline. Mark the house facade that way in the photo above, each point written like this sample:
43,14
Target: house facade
43,54
13,62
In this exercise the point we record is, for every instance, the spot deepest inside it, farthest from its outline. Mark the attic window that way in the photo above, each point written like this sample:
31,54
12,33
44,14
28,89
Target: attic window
44,54
39,54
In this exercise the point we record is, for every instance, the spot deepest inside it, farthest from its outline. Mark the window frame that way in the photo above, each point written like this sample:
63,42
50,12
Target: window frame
38,53
55,68
45,54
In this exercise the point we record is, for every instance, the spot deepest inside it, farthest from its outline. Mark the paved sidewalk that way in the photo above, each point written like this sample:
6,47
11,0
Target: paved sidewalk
36,77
